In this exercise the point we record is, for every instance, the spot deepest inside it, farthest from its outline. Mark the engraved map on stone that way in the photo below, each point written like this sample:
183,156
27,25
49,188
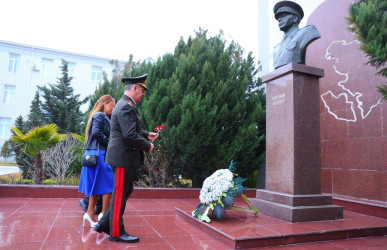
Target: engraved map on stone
344,95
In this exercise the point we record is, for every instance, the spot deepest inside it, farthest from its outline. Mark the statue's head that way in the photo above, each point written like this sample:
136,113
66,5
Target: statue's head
288,13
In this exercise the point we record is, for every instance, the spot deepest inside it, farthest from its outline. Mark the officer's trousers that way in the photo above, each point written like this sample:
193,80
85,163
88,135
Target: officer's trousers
112,222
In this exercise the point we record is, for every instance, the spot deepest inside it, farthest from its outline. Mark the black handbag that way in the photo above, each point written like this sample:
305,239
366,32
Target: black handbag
89,160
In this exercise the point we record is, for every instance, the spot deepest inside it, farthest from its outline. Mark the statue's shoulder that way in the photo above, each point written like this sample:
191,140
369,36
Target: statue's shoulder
309,30
308,33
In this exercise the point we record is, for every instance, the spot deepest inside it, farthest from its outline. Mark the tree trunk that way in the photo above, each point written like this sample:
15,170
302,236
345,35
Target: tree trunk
38,178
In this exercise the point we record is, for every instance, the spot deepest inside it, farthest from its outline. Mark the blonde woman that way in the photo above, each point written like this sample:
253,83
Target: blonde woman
98,179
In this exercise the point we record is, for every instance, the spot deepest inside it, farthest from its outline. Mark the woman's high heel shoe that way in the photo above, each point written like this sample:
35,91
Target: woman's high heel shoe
87,217
100,216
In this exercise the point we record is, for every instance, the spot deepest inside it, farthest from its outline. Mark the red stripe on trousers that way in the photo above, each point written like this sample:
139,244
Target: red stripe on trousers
117,202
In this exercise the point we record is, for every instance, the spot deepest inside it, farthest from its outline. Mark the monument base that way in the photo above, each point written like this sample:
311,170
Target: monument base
297,208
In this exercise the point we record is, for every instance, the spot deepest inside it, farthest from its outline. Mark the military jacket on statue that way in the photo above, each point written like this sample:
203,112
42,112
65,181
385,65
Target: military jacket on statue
127,139
293,47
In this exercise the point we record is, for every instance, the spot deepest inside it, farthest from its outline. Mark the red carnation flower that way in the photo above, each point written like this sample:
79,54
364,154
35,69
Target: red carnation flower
158,128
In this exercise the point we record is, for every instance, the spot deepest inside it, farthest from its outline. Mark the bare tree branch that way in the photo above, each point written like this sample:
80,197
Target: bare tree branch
58,159
155,171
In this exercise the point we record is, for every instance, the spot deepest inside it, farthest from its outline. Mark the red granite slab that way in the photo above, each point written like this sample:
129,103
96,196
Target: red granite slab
238,230
57,224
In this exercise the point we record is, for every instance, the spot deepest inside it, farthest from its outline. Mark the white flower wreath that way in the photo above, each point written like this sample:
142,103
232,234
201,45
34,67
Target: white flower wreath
218,192
215,185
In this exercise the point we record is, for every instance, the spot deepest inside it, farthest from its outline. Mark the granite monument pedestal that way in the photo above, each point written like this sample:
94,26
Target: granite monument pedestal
293,165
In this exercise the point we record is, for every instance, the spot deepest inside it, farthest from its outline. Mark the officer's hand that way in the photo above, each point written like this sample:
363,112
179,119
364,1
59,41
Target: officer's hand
153,136
151,149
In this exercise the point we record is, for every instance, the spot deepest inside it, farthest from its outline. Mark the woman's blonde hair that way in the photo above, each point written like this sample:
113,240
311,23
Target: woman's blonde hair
98,107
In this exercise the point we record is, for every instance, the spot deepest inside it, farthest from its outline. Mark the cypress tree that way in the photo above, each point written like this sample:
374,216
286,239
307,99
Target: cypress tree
35,117
368,19
6,150
25,163
62,106
210,101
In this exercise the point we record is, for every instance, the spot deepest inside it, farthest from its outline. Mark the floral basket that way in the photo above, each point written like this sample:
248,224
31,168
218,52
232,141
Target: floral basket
218,193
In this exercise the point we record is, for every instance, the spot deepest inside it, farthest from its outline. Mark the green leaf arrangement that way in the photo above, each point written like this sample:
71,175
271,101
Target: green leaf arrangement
218,193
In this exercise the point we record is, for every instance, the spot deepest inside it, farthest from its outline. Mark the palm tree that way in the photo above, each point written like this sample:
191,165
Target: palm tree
35,142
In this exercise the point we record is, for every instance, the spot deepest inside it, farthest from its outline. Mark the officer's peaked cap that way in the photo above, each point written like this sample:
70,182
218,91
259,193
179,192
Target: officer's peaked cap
140,80
289,7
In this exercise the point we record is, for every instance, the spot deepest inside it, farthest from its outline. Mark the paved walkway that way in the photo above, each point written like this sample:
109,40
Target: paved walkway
41,223
9,170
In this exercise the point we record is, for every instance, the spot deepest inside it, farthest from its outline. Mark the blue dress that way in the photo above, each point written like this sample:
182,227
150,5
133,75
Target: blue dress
97,179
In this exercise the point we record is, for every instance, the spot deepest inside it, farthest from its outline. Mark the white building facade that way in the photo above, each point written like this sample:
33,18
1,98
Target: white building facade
24,67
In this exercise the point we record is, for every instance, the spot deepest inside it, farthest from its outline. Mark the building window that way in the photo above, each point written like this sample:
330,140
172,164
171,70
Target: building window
71,69
47,65
9,94
96,75
5,127
13,63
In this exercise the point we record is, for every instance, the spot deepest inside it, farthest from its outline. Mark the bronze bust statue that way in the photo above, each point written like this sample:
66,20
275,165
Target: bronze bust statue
293,46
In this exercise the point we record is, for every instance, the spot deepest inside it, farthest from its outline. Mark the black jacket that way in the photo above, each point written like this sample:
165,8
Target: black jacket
99,132
127,139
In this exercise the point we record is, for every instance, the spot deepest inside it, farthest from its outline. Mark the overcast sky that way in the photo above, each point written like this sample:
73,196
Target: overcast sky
117,28
145,28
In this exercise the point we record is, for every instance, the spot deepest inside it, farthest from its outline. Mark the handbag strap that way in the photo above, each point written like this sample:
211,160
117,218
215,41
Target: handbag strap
91,125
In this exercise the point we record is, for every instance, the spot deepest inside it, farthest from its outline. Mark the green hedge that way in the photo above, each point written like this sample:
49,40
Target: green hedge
73,181
16,181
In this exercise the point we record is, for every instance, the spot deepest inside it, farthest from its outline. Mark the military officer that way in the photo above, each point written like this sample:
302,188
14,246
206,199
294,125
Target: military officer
125,153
